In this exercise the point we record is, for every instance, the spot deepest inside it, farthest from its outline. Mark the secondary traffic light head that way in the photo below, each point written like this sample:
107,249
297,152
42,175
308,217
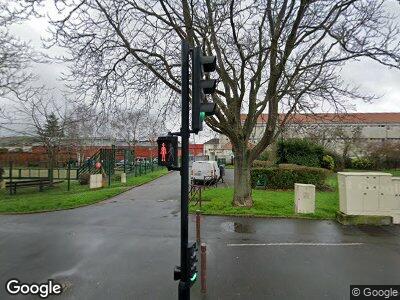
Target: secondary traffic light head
192,257
202,87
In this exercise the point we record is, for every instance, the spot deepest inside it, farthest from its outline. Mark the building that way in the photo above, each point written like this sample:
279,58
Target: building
196,149
352,133
218,148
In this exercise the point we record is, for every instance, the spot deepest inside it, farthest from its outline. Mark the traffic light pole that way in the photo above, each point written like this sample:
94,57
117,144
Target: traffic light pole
184,283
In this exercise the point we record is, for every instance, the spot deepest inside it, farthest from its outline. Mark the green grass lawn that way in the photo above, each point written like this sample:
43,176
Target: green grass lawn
273,203
269,203
56,198
266,203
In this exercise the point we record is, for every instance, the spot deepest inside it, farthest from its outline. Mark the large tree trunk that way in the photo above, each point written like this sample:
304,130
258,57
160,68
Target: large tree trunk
242,181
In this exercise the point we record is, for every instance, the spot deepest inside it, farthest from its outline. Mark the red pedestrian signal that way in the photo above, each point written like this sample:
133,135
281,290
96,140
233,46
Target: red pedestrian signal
168,151
163,152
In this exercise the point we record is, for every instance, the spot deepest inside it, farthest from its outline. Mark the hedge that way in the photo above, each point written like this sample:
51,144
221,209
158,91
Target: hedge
262,163
328,162
362,163
286,175
301,152
339,163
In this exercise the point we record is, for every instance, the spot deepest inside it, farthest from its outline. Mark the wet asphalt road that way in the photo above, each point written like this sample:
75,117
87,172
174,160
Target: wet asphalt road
126,248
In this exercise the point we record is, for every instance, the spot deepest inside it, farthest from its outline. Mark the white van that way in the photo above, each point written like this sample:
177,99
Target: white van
205,170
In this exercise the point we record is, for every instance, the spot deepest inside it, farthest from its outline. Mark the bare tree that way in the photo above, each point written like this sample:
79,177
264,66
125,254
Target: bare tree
80,130
345,139
272,55
43,117
349,138
16,56
129,125
153,132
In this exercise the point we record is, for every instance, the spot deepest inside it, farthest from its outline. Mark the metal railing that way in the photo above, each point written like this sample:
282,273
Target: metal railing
28,173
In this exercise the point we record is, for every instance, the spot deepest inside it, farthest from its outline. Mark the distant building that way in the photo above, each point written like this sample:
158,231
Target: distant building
196,149
335,131
217,148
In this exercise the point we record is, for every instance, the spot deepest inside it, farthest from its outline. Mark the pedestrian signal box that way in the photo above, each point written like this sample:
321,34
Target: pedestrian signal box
168,151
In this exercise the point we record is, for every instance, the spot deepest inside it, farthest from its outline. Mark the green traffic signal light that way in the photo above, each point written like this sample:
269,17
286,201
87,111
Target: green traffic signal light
193,278
202,116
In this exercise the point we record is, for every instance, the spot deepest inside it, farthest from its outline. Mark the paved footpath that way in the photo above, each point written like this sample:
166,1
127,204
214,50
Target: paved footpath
126,248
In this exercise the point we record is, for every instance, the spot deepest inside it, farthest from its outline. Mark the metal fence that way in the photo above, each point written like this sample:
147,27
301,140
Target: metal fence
32,173
62,173
141,168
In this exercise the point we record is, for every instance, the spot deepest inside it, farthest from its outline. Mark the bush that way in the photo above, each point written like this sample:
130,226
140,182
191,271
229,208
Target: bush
386,156
304,160
328,162
339,163
84,179
3,150
264,156
1,173
300,152
362,163
285,176
347,162
262,163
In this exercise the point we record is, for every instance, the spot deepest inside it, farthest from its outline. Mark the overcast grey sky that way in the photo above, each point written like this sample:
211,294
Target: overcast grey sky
370,76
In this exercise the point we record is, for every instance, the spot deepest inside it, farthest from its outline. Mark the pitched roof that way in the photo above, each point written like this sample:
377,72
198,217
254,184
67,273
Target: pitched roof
212,141
349,118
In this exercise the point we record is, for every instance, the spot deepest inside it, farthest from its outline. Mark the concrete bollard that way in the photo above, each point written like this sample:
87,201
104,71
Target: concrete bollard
304,198
123,178
96,181
203,268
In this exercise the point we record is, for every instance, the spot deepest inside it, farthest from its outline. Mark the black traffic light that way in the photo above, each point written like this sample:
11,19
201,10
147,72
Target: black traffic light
202,87
192,257
167,151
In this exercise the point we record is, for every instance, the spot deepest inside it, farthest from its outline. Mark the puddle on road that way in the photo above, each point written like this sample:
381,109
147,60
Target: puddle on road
375,230
238,227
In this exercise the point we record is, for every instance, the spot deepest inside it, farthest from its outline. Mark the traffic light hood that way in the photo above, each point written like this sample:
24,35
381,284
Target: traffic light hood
209,63
208,86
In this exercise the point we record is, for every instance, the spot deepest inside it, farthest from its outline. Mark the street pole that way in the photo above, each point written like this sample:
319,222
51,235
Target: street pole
184,283
69,174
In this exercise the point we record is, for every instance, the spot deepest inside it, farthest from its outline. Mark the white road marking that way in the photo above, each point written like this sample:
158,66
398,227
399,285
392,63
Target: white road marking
295,244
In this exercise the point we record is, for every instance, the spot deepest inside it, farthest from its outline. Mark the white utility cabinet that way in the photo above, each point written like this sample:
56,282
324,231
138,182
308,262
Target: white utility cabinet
304,201
369,193
96,181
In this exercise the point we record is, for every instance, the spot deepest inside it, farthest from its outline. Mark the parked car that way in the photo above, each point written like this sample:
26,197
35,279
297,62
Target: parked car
205,171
